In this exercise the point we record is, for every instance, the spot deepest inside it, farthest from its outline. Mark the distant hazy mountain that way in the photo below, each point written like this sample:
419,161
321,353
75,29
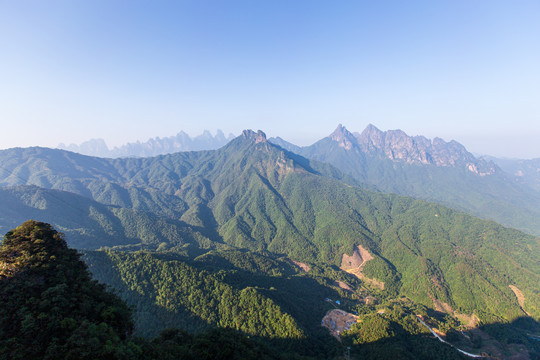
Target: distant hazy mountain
434,170
153,147
526,172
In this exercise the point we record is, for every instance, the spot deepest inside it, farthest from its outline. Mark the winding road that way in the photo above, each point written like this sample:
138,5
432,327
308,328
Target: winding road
446,342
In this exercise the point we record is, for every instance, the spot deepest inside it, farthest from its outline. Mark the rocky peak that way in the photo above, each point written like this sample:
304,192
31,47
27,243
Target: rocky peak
256,137
398,146
371,138
343,137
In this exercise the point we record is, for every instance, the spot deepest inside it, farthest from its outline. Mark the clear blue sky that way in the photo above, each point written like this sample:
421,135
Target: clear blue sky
130,70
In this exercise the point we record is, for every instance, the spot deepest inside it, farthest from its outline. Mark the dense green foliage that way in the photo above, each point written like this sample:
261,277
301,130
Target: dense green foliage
255,294
90,224
392,330
254,195
177,294
50,308
387,329
497,196
215,344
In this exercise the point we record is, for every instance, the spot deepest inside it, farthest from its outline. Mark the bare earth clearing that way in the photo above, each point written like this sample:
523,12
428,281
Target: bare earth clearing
305,267
338,321
354,264
342,285
520,298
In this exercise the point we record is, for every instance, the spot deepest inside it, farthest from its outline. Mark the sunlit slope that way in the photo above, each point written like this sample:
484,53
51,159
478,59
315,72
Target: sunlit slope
254,195
89,224
495,196
170,293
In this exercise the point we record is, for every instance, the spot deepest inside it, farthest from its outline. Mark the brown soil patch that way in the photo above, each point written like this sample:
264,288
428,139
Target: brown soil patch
520,297
441,306
470,321
438,332
337,321
370,300
342,285
305,267
354,264
358,258
373,282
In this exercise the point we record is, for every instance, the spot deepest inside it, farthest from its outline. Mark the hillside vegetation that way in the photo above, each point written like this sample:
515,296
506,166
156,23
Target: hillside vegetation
432,170
49,305
255,196
52,309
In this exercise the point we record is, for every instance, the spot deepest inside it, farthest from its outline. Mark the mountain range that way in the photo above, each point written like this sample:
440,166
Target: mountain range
434,170
524,171
152,147
257,199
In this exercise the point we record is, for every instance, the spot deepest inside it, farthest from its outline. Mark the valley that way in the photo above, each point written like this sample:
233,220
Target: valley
253,238
269,180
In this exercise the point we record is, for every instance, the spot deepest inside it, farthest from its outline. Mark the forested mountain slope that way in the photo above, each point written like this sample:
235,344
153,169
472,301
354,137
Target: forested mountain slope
269,298
248,306
50,308
434,170
254,195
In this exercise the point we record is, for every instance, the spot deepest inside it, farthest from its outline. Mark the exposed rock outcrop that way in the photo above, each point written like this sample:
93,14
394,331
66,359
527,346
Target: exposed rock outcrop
396,145
257,137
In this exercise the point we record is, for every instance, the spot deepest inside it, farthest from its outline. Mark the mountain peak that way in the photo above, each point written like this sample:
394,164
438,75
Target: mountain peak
256,137
340,130
343,137
372,129
371,138
152,147
398,146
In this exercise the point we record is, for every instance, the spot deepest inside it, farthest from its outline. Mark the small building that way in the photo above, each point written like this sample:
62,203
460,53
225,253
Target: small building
338,302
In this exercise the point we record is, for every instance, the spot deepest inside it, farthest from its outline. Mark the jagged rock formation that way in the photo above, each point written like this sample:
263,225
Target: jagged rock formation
153,147
258,136
398,146
343,137
434,170
253,195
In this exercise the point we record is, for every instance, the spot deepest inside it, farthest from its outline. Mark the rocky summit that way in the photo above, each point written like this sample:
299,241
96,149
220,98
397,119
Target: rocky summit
398,146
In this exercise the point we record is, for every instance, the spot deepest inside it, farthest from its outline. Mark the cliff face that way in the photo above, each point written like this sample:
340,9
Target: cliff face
396,145
343,137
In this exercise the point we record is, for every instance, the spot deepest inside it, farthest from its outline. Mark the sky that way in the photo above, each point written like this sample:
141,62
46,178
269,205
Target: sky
124,71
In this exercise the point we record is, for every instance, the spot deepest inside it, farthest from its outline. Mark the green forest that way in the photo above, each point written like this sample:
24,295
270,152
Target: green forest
199,241
169,305
497,197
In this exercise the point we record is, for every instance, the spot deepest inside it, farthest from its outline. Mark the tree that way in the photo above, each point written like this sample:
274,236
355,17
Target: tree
50,308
